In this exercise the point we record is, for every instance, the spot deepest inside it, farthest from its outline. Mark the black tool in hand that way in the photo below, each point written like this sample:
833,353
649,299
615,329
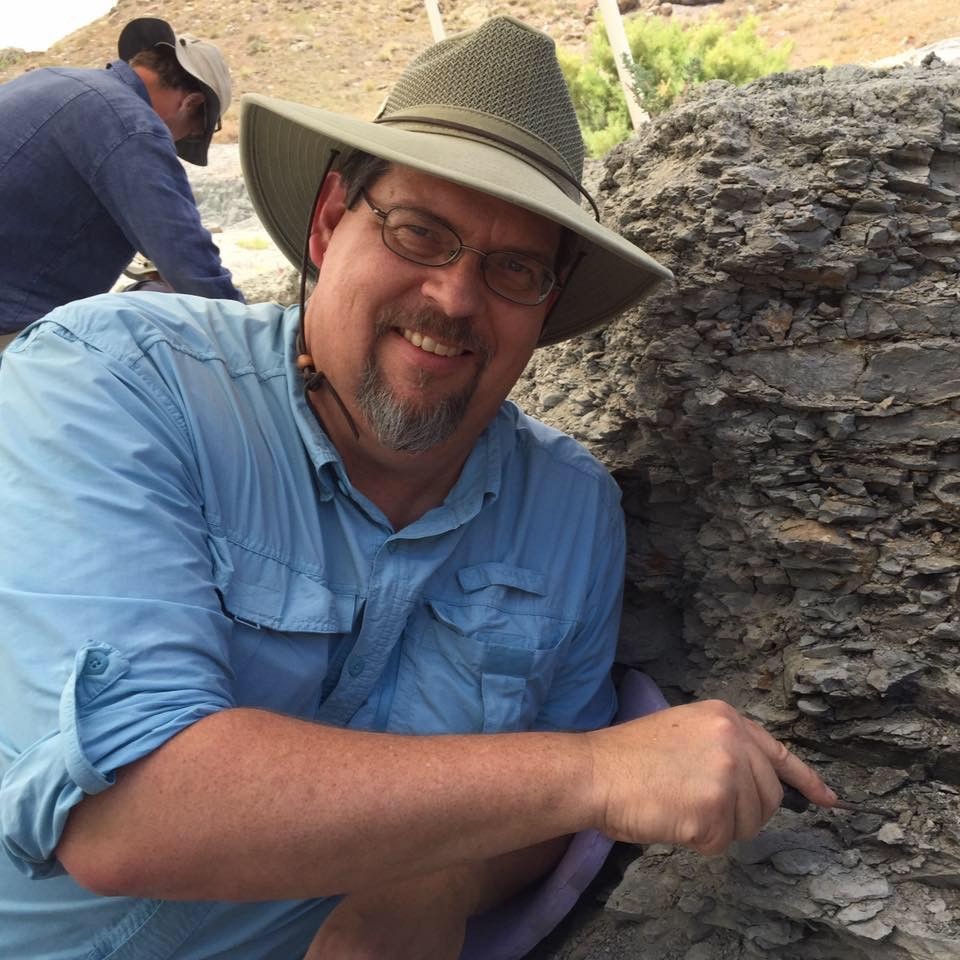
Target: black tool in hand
793,799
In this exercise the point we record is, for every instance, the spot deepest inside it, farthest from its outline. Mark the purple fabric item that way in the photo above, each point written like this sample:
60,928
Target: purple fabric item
513,929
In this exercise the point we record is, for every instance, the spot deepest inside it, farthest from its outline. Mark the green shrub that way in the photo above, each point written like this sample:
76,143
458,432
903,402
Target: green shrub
668,58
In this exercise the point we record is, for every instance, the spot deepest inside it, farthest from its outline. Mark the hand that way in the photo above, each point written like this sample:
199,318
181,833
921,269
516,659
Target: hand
420,918
699,775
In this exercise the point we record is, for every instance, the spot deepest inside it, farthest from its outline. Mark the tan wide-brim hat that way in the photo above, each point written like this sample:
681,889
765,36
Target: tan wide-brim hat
487,109
200,59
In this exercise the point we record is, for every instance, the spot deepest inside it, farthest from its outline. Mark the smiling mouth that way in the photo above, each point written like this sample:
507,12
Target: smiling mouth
430,345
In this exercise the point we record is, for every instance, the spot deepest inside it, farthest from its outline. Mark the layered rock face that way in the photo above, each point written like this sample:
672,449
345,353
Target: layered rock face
785,424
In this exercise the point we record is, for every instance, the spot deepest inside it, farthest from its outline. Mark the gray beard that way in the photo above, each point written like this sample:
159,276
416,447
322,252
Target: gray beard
404,425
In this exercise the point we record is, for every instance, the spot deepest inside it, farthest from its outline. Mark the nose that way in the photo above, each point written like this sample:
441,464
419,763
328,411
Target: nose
457,288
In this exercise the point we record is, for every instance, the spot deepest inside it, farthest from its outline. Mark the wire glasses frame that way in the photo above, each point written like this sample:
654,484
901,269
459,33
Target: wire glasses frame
421,238
218,126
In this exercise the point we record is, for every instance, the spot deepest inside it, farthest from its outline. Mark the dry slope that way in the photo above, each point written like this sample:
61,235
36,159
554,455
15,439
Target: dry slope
345,55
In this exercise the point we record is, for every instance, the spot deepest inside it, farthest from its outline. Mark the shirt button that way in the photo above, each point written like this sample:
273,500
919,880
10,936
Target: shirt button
355,667
95,664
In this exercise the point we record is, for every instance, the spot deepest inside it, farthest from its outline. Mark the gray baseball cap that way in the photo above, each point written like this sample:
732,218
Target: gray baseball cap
200,59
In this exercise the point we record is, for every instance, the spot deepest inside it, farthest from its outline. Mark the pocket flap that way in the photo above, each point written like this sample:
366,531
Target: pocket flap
486,626
266,592
483,575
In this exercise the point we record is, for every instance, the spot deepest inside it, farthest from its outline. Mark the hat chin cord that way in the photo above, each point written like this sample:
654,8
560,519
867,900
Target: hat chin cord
315,380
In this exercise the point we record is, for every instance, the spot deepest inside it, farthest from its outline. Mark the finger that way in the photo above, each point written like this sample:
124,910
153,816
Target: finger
768,785
759,796
791,769
748,809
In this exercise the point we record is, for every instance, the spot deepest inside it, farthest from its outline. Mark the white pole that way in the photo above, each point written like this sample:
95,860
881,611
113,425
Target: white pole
436,21
621,51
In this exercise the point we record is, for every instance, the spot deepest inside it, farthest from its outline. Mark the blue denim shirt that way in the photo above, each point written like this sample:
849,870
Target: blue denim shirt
88,175
180,537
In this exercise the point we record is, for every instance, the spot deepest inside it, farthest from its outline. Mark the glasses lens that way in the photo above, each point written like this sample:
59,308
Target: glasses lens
517,277
419,237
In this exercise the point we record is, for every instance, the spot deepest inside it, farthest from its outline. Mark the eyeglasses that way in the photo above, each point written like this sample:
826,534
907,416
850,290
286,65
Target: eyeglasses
218,126
420,238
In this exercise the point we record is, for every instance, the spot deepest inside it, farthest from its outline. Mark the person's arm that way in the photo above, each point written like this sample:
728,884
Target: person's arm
145,189
113,636
248,805
424,918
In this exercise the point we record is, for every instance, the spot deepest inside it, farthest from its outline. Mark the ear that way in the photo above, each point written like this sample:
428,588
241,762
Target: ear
330,208
191,100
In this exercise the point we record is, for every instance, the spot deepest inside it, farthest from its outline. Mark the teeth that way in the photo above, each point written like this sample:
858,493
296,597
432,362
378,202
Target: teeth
431,345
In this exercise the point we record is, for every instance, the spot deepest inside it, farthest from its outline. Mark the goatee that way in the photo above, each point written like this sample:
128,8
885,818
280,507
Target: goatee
403,424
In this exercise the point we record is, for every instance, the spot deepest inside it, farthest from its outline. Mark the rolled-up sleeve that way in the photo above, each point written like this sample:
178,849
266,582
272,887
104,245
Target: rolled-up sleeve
112,638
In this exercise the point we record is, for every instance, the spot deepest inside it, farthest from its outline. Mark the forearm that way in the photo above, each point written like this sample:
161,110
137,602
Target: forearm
490,882
249,805
164,222
425,916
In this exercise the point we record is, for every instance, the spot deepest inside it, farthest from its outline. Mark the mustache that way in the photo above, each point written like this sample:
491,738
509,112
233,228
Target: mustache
435,324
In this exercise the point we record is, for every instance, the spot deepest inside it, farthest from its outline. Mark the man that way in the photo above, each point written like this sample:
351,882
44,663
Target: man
89,173
307,631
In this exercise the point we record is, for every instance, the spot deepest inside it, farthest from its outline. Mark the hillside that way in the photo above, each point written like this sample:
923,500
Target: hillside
346,55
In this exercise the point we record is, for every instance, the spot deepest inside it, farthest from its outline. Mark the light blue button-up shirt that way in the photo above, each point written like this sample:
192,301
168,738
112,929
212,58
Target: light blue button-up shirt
180,537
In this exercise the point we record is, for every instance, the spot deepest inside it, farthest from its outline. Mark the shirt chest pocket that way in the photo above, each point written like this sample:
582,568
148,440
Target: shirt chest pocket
481,663
287,628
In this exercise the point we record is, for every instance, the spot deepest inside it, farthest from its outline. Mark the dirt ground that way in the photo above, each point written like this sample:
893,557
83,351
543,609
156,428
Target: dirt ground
345,55
831,32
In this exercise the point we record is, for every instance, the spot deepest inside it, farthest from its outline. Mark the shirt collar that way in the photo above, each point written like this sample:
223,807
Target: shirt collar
323,455
478,483
126,74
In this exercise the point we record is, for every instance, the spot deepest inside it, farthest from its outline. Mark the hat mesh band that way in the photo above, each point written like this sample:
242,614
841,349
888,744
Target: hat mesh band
497,69
563,178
